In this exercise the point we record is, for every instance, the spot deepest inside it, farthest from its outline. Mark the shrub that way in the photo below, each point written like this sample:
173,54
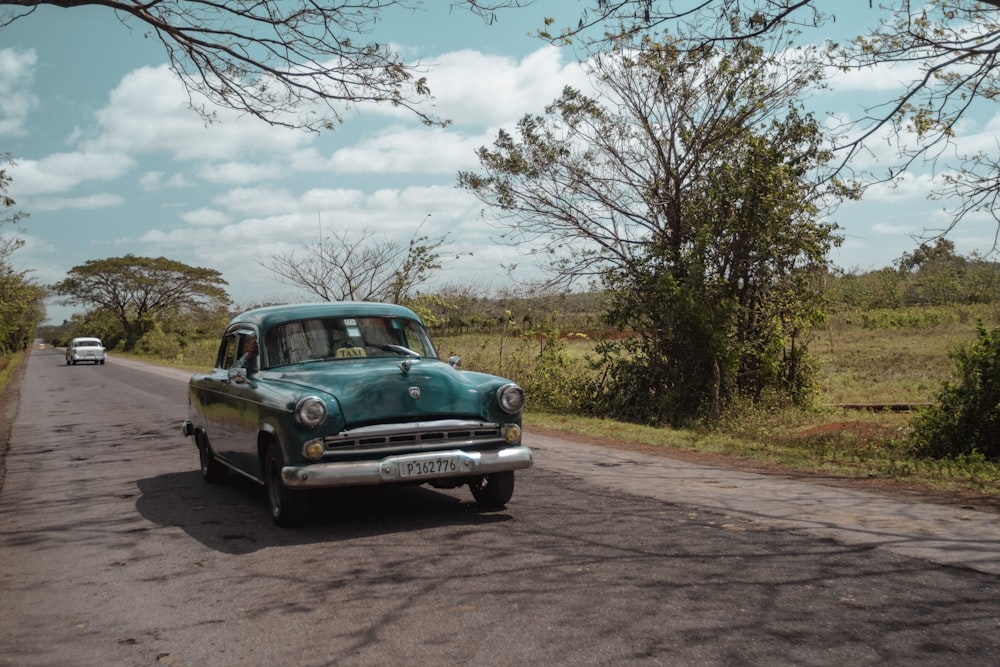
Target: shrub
965,417
557,382
155,343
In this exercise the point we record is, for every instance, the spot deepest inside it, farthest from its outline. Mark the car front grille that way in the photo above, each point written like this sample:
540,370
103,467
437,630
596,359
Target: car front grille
415,436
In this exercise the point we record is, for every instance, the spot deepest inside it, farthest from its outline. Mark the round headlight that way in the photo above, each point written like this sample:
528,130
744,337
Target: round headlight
511,398
310,411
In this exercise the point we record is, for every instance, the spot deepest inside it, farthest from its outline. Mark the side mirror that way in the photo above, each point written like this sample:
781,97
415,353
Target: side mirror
238,375
454,361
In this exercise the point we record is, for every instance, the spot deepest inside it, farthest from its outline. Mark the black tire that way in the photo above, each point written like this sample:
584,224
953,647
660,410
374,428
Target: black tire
212,471
492,491
288,506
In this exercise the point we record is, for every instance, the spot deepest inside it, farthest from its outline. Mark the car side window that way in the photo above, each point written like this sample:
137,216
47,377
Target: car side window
227,352
247,351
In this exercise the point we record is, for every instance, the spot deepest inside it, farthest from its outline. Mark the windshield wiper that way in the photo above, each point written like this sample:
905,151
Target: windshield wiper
398,349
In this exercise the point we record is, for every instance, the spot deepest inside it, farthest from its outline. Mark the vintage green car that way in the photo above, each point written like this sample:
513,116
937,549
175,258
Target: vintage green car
323,395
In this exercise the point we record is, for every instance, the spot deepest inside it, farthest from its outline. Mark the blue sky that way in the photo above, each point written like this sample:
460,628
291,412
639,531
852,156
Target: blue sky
111,161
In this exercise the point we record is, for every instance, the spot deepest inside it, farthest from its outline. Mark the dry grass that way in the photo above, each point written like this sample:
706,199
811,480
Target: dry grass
8,364
898,365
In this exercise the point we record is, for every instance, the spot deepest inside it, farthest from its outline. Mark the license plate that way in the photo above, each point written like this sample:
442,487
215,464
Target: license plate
429,467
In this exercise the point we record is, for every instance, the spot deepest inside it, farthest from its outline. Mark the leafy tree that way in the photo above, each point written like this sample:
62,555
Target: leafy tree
936,274
22,307
883,288
358,267
931,274
21,300
99,322
139,290
951,45
695,203
292,64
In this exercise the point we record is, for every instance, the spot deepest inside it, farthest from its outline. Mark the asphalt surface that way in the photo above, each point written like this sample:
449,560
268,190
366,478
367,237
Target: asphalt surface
114,552
944,534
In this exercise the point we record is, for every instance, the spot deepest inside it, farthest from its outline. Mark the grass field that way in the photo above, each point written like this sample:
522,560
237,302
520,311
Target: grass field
894,356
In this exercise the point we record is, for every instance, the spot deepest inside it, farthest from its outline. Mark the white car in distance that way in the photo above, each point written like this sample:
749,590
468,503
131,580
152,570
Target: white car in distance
85,349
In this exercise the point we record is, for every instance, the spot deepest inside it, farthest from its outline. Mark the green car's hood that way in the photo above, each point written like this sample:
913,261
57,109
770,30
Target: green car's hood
373,391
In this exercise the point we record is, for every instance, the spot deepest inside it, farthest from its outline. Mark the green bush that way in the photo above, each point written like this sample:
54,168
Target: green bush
156,343
552,377
964,420
558,382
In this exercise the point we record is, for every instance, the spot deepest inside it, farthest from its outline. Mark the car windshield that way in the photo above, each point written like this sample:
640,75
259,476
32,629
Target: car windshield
88,343
345,338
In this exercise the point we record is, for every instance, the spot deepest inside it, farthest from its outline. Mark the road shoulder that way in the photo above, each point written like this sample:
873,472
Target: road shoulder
10,399
957,498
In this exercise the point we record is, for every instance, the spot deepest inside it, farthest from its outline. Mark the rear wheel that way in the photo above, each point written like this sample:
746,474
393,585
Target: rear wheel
288,506
492,491
212,471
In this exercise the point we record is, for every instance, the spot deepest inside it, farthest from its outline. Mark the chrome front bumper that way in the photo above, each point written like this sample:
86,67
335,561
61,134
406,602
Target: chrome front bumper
386,470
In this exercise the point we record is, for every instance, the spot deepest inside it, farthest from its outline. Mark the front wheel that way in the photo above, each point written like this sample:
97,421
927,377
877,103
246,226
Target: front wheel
288,506
492,491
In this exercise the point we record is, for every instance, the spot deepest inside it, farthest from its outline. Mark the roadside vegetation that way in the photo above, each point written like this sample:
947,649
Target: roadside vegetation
21,298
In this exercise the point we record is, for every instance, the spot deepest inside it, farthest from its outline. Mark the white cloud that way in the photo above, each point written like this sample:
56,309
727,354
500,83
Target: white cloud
148,112
474,88
16,99
257,201
60,172
883,229
106,200
332,199
152,181
241,173
908,187
409,150
481,89
207,217
875,79
975,137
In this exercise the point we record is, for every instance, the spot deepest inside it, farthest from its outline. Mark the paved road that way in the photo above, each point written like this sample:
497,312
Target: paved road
113,552
949,535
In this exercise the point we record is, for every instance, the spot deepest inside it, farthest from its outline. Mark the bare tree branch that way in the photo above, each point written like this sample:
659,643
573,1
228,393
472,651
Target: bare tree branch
359,267
291,64
952,44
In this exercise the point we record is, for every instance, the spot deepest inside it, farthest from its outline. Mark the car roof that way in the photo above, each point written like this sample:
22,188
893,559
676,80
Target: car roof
268,316
80,338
